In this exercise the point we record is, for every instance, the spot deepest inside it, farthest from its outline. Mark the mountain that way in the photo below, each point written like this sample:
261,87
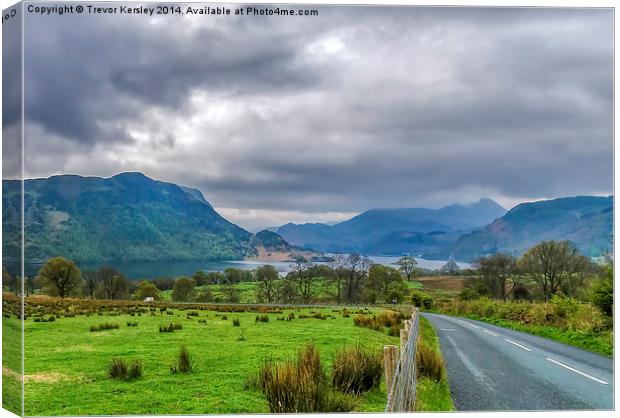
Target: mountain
272,247
371,231
128,217
585,220
272,242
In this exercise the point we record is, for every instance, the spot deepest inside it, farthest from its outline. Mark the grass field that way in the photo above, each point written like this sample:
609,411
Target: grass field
66,364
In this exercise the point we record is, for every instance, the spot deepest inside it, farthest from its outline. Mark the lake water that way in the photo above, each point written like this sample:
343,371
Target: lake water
152,269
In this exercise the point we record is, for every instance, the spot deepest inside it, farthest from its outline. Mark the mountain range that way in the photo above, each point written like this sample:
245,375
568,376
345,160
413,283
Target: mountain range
394,231
128,217
131,217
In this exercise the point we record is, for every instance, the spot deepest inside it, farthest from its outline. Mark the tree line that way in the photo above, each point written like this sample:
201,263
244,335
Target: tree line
547,269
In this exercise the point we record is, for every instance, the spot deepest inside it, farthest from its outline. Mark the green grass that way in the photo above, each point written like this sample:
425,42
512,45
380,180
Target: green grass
11,365
601,343
431,395
66,364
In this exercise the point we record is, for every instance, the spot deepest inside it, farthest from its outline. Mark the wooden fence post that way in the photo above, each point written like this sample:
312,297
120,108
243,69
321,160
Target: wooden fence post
390,357
403,340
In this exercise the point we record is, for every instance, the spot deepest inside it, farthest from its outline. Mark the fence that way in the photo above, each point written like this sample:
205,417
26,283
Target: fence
401,374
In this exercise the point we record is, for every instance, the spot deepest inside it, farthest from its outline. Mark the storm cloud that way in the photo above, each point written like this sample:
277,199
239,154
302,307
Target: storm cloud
316,118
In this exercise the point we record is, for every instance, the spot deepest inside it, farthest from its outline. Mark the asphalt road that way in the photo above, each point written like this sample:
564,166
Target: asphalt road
493,368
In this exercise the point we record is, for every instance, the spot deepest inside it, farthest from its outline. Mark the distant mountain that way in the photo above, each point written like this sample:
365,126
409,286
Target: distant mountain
371,231
271,242
128,217
585,220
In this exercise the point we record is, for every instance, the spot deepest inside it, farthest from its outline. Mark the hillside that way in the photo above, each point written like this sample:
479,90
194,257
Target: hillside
128,217
585,220
422,231
270,246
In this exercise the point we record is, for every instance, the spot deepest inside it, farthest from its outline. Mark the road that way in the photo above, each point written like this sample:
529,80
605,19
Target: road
493,368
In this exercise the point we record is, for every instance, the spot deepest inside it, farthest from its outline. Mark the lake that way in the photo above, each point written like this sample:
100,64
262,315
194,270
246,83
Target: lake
136,270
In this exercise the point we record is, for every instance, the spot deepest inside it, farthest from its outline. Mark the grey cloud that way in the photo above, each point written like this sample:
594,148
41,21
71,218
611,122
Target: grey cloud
361,107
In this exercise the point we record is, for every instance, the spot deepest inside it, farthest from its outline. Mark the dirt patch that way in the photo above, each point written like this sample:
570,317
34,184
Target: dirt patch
11,373
449,283
49,377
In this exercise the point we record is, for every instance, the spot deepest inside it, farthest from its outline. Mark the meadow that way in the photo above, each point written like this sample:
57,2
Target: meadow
66,368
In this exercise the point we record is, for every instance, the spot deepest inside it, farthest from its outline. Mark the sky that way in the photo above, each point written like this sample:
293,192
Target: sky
315,119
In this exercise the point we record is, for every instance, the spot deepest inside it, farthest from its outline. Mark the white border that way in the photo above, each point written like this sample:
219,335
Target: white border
484,3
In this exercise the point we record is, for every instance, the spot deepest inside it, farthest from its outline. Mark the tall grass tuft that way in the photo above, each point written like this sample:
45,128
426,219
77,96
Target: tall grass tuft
428,362
356,370
119,369
184,362
104,326
300,385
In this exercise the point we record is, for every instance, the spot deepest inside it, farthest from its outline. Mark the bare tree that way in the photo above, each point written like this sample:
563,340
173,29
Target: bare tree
112,283
267,277
303,279
499,274
407,266
555,266
357,268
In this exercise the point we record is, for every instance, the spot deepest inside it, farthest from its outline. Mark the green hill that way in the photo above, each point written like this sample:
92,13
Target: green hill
585,220
128,217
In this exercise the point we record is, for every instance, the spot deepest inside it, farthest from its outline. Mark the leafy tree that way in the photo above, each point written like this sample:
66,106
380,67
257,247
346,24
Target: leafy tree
163,283
206,295
183,289
555,266
201,278
603,292
214,277
112,283
384,280
499,274
421,300
267,277
59,276
408,266
147,289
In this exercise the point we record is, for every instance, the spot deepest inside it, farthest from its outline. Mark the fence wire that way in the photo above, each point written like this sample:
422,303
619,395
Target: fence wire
401,397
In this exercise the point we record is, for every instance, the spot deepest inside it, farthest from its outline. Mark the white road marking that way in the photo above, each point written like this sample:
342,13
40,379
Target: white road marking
517,344
577,371
447,329
474,326
490,332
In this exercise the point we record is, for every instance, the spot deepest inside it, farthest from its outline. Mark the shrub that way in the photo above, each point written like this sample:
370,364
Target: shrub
356,370
184,362
119,369
428,362
263,318
170,328
132,324
236,322
345,313
104,326
299,385
421,300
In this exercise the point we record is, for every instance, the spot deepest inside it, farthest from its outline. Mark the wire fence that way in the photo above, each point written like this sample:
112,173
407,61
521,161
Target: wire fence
402,392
